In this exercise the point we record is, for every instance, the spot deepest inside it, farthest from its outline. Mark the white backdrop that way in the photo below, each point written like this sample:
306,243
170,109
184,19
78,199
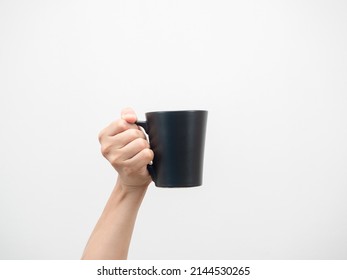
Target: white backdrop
273,76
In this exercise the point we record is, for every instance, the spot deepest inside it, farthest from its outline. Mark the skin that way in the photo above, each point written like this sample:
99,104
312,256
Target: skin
125,146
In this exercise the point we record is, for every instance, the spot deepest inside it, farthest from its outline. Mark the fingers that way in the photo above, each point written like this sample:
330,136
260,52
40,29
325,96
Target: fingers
133,156
122,139
115,128
126,143
116,154
140,160
133,148
129,115
126,122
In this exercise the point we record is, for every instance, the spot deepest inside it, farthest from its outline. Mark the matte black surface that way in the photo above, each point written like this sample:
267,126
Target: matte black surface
177,139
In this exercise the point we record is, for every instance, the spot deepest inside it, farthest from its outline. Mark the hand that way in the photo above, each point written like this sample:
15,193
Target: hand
125,146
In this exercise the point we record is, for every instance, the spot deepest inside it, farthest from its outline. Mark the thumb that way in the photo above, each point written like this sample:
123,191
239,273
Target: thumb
129,115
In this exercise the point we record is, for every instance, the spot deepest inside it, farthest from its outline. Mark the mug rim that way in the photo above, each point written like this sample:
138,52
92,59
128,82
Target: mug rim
177,111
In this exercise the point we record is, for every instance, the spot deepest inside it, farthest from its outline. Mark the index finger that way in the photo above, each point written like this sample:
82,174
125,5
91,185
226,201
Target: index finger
115,128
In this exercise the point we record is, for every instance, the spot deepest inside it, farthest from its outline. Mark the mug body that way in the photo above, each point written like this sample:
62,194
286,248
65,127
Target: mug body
177,139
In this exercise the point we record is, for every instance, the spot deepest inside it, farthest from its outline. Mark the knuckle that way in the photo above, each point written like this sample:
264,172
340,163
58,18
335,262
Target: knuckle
108,150
148,154
134,133
105,150
142,143
114,159
141,134
101,135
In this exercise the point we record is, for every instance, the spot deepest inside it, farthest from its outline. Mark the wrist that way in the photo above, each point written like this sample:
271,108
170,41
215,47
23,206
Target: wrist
124,200
126,191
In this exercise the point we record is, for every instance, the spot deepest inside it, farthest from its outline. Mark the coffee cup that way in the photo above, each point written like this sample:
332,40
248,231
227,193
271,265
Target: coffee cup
177,139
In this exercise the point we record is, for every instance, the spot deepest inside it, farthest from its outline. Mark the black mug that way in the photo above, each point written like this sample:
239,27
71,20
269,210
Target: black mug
177,139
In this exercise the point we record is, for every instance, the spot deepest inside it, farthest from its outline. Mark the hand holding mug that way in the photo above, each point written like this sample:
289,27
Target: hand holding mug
125,146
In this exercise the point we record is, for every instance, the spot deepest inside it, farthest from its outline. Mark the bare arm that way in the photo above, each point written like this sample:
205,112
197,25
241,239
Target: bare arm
127,149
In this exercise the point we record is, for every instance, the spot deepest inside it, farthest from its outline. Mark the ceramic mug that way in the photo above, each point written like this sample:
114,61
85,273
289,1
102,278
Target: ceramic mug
177,139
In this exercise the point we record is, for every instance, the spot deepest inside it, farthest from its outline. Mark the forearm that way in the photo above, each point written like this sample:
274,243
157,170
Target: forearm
111,236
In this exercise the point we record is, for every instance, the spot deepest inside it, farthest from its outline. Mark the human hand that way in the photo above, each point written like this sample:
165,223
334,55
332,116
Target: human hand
125,146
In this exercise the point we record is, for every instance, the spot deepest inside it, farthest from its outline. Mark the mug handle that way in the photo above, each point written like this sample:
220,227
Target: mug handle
150,168
143,124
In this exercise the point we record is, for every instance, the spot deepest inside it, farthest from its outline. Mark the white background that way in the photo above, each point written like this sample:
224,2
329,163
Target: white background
273,76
